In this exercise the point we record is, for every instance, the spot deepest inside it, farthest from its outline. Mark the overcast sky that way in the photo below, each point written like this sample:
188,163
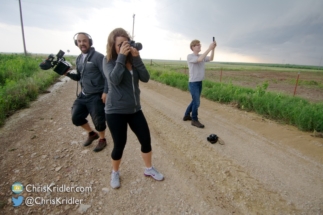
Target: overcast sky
275,31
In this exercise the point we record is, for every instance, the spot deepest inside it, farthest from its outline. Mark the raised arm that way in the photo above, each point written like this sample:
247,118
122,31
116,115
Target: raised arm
114,70
212,52
210,49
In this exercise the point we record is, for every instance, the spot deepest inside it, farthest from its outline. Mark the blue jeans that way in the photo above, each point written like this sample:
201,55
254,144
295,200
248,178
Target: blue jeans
195,89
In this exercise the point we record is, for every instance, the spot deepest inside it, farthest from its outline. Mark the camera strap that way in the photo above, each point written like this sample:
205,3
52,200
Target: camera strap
78,59
83,62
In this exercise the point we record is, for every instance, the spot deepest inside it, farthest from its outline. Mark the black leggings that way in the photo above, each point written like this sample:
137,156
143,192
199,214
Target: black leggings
118,124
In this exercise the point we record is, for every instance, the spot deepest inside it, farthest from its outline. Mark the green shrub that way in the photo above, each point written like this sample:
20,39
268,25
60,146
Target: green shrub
21,81
283,108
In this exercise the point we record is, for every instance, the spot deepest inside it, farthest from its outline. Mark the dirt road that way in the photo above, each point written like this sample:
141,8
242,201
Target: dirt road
263,167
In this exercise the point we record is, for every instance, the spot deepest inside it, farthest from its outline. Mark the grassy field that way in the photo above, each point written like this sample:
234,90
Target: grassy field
235,66
263,88
280,78
21,81
247,86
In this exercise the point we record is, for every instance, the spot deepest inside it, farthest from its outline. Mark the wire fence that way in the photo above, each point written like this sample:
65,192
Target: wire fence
306,83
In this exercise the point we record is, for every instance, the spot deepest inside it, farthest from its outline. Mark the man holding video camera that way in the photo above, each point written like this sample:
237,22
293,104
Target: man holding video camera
94,88
196,67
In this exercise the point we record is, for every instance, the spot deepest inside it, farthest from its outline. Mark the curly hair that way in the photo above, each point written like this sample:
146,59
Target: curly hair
111,50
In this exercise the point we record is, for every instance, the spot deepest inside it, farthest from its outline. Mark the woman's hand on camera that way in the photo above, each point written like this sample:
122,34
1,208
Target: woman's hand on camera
134,52
125,48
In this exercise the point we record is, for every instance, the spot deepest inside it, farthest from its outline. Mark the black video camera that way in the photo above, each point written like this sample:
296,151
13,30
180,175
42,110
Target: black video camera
60,65
132,43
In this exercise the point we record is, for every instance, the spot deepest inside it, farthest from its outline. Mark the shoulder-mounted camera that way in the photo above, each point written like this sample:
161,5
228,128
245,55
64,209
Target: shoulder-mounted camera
59,64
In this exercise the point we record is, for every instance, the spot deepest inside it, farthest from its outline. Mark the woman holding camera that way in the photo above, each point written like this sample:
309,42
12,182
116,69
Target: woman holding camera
123,69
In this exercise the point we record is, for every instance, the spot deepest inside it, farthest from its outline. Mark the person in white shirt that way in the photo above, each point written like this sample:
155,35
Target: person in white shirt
196,67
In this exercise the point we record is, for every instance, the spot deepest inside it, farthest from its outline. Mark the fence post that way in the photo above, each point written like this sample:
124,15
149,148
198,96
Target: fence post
296,83
221,75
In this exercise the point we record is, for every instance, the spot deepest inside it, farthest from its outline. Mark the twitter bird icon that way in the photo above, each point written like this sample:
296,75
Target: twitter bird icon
17,201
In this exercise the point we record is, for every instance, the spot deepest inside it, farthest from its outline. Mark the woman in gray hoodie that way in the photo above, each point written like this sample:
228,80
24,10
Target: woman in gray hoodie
123,69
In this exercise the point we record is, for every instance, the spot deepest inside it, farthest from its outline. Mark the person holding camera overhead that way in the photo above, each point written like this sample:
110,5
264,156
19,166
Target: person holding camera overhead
196,67
94,88
123,68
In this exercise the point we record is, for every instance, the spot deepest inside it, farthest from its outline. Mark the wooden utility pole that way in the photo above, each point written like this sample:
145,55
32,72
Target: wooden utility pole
22,29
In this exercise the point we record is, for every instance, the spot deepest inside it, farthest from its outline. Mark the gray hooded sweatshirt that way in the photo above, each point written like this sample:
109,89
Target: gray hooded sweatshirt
90,73
124,93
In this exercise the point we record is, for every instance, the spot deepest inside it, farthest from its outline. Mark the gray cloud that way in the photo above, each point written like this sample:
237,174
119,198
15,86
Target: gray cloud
58,14
267,29
275,31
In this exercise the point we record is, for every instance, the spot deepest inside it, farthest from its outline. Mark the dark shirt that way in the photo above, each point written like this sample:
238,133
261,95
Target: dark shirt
90,73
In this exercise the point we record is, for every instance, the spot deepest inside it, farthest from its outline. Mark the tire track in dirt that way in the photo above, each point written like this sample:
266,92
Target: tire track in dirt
217,180
263,168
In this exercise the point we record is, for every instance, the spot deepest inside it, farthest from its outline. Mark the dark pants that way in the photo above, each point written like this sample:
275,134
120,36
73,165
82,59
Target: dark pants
90,104
118,124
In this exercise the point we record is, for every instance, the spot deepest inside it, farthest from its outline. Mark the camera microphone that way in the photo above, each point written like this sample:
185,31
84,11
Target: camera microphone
60,65
47,64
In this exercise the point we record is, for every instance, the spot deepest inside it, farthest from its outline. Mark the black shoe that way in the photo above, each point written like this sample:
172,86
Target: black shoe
101,145
197,124
91,138
185,118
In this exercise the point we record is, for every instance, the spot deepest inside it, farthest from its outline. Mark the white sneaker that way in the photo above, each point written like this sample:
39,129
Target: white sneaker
115,180
154,174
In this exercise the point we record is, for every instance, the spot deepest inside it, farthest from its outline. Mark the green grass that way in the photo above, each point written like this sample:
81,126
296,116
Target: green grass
253,74
237,66
287,109
21,81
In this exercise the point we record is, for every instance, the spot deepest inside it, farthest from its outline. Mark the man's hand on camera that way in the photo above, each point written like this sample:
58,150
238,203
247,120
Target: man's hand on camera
134,52
68,71
125,48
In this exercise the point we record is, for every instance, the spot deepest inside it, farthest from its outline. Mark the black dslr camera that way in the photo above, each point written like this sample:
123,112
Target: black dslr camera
132,43
60,65
137,46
